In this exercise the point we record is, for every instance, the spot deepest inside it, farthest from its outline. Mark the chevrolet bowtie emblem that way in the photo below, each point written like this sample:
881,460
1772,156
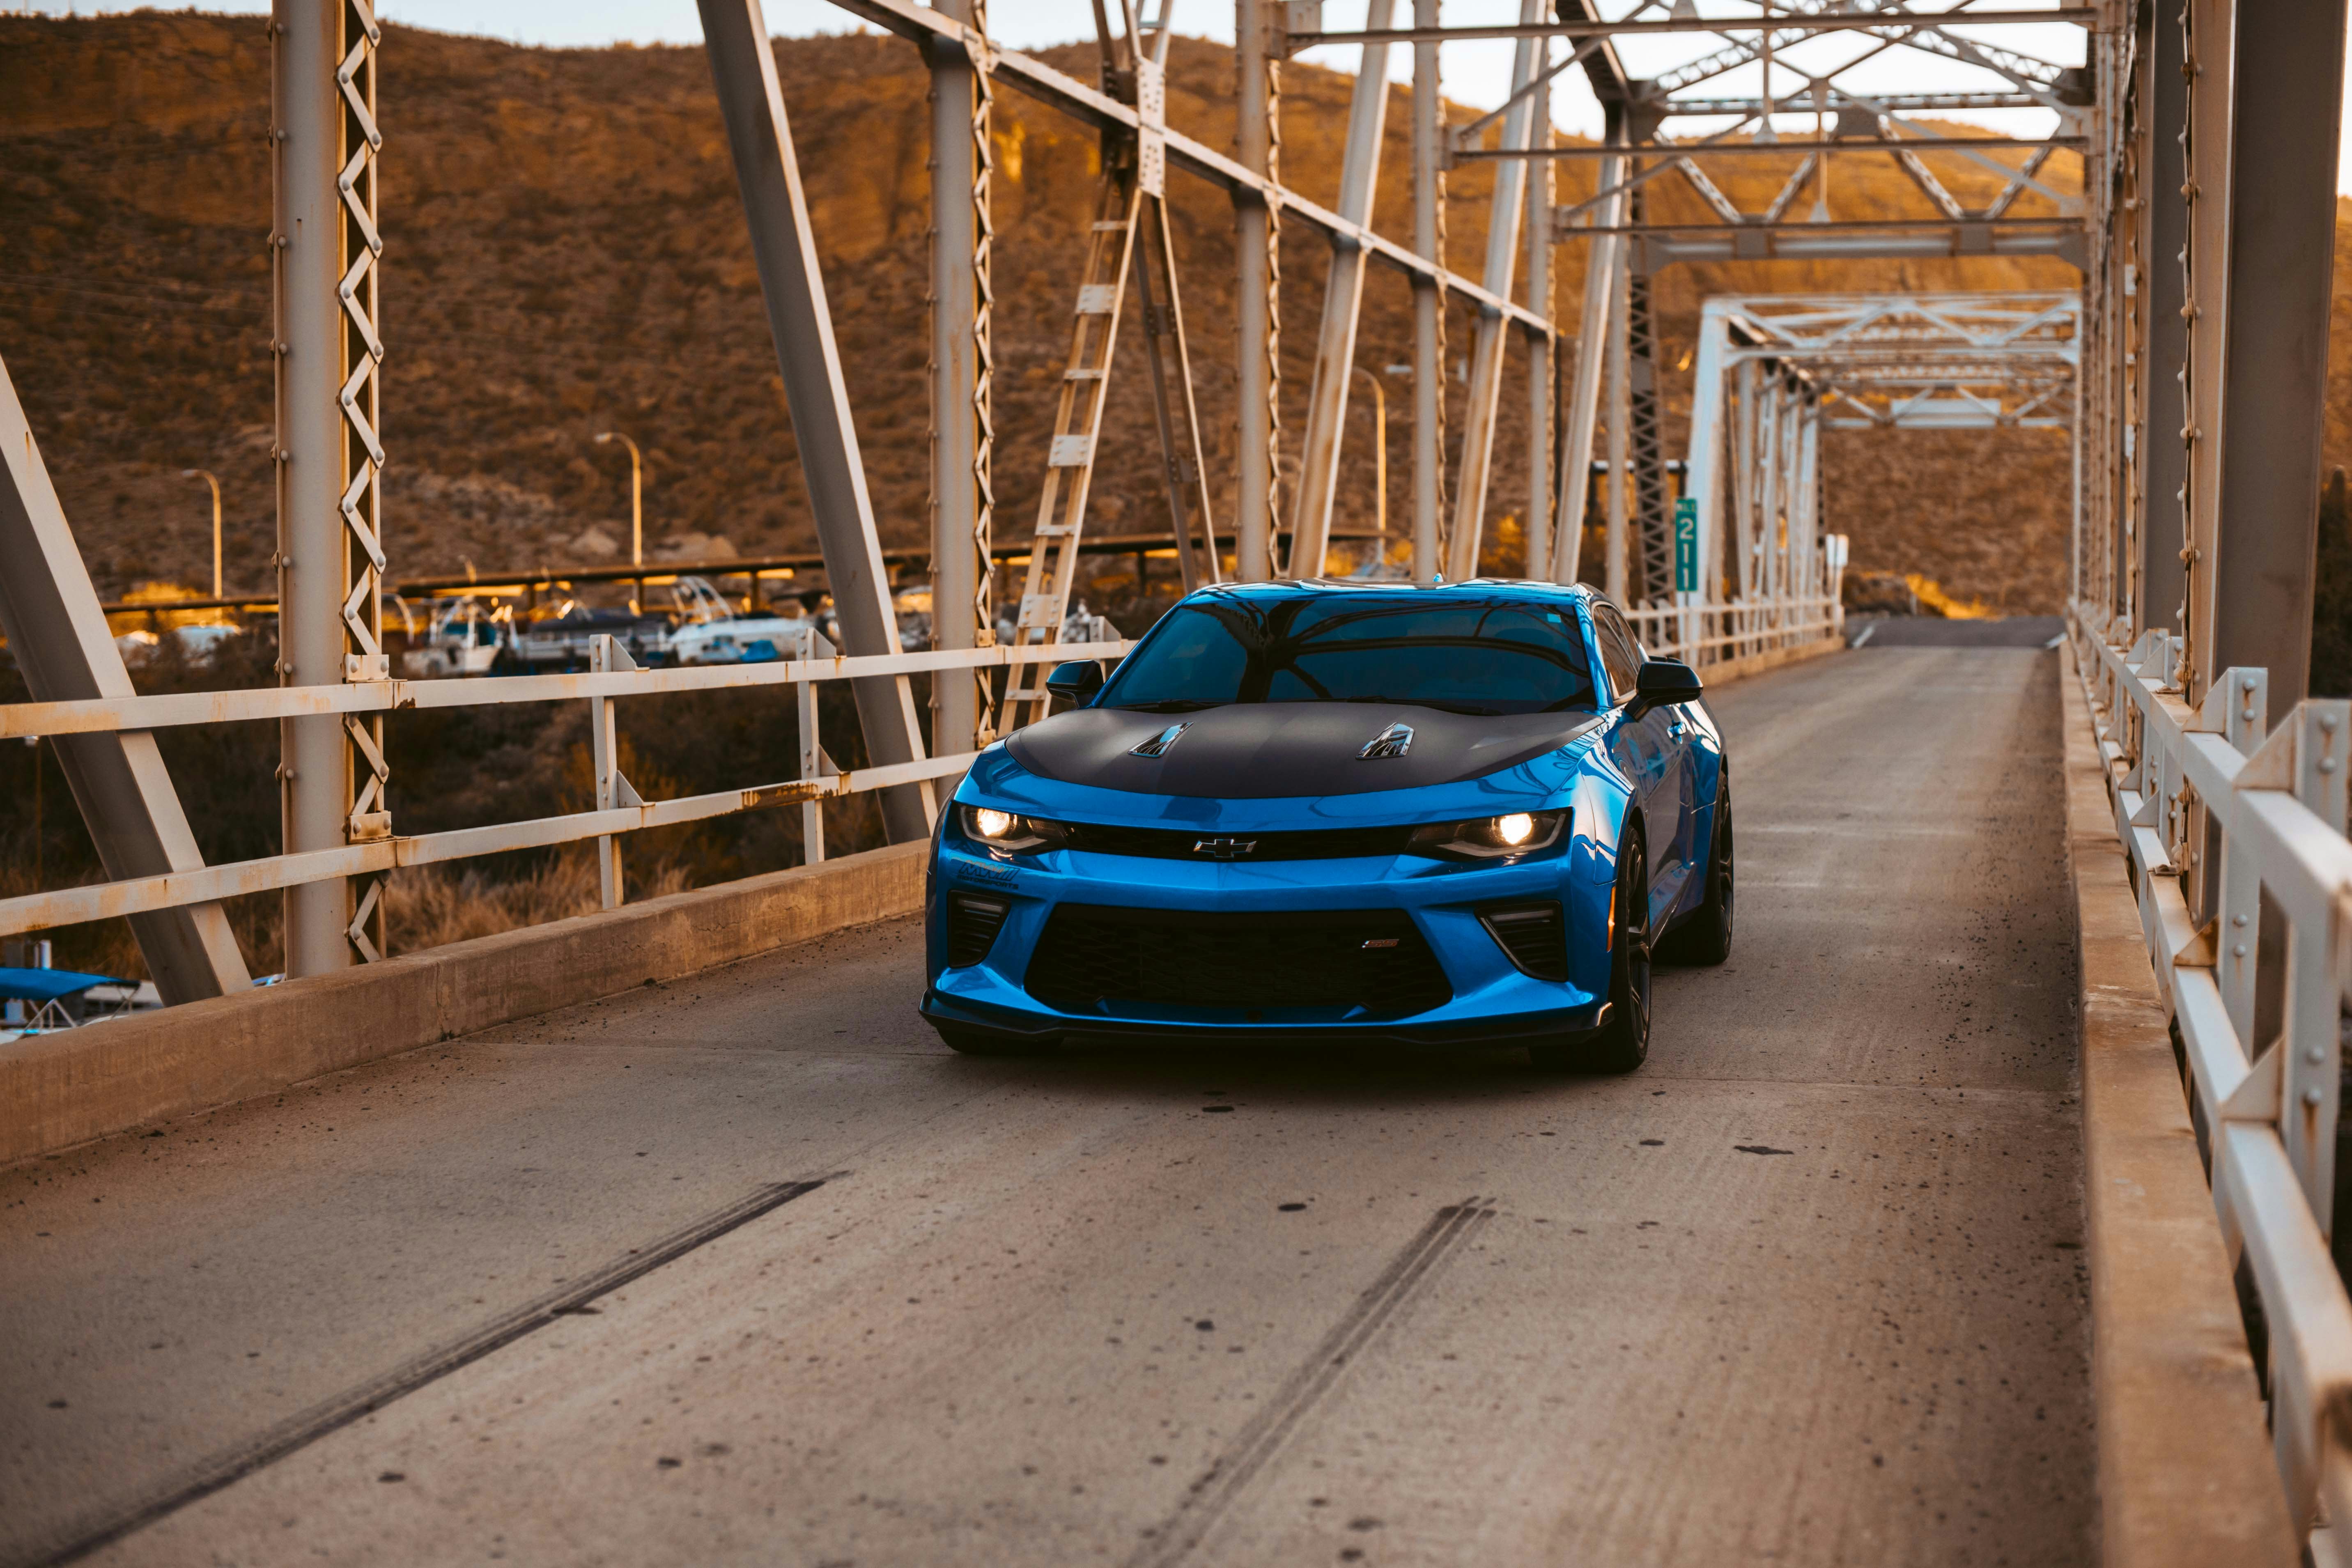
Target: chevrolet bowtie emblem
1223,849
1157,745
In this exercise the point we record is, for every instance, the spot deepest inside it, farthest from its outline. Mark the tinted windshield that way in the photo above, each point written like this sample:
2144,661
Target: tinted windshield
1458,654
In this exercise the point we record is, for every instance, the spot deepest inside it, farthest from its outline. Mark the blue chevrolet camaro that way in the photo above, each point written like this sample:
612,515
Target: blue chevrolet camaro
1466,811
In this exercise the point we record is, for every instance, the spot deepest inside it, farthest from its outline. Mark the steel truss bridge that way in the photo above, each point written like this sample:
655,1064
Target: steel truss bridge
1754,1236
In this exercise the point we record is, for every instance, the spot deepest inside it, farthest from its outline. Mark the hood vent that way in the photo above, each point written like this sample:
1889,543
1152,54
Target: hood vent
1393,741
1157,745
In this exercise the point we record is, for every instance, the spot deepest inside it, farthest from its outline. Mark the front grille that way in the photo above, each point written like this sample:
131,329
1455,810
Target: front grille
1533,936
1226,844
973,920
1374,960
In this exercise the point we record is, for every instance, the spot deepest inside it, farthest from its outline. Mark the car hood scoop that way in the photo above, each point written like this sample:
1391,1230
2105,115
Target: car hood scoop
1251,751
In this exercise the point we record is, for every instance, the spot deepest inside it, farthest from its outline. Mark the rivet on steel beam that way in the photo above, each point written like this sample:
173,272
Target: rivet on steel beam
2327,765
2237,920
2239,950
2315,1055
2311,1096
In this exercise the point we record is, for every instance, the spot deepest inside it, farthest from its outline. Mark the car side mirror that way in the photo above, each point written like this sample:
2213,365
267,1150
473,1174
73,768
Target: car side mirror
1076,681
1663,682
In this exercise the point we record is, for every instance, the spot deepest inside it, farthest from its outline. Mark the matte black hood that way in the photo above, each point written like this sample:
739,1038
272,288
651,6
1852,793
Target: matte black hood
1253,751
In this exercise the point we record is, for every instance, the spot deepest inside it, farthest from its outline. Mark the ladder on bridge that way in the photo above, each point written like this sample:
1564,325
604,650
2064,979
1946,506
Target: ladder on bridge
1131,212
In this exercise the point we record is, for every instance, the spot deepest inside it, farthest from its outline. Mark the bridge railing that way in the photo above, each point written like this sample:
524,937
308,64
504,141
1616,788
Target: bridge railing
1713,633
609,678
2236,840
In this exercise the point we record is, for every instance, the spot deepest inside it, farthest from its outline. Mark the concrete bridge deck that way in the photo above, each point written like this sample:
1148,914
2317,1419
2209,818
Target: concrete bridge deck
1806,1288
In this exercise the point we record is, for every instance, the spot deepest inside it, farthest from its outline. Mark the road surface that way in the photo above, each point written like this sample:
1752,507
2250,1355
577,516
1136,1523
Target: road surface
747,1268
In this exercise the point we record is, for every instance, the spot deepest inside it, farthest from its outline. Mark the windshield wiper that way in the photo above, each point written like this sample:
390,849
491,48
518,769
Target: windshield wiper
1169,705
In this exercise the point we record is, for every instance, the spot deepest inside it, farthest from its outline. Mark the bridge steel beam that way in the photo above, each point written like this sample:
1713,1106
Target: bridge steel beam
1257,306
743,67
58,634
1536,229
324,249
1343,300
2252,605
1603,283
1479,418
2160,105
1617,373
963,376
1428,303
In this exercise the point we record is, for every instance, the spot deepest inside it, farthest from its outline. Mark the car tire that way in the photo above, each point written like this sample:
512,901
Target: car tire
1706,937
989,1043
1622,1043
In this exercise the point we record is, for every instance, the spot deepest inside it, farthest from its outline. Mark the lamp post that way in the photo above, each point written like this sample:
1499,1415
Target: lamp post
637,509
206,475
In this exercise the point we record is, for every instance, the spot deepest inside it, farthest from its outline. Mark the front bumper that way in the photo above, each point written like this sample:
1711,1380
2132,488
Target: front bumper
1492,999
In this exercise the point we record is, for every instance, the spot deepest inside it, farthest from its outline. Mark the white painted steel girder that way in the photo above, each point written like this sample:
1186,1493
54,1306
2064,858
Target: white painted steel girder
59,636
759,133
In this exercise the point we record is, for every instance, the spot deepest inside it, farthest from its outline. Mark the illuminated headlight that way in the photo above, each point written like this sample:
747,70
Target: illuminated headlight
995,829
1505,837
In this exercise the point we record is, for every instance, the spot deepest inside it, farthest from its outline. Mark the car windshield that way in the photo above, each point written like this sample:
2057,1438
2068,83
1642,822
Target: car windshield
1465,656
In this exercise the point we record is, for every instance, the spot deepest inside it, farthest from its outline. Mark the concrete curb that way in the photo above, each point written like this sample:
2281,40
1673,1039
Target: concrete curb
2184,1464
58,1090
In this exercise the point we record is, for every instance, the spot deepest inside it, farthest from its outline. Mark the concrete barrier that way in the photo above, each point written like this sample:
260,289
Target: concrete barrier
56,1090
2185,1472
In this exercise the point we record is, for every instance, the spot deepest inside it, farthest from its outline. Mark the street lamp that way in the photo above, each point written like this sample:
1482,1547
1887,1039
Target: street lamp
1380,421
636,495
206,475
636,509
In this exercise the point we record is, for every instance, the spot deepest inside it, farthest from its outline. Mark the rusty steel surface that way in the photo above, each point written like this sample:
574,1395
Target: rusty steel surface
561,1291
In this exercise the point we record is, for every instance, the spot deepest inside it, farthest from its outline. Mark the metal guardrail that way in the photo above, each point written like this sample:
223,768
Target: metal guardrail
2239,857
1739,629
620,811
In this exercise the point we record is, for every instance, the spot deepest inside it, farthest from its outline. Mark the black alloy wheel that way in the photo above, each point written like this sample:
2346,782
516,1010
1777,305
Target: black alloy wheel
1706,937
1622,1043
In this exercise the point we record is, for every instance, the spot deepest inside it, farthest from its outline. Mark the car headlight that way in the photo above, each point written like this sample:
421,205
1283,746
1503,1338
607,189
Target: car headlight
994,829
1506,837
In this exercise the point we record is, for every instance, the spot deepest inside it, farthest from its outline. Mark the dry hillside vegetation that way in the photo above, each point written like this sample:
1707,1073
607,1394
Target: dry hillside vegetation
565,253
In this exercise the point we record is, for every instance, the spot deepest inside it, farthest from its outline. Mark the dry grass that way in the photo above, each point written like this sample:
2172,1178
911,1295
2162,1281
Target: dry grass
428,906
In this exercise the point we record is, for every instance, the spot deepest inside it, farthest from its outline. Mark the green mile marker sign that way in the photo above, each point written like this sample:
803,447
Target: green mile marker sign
1686,545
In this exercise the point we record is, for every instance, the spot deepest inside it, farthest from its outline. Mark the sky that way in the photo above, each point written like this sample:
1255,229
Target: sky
1474,73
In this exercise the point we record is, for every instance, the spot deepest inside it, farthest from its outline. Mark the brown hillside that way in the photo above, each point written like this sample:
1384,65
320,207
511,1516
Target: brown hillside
565,252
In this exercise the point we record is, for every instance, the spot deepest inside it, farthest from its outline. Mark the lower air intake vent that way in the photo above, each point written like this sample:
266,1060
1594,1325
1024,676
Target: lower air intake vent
1370,959
1533,934
973,920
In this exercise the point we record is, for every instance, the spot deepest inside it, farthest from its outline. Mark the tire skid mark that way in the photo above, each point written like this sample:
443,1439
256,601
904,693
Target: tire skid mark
305,1428
1212,1496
